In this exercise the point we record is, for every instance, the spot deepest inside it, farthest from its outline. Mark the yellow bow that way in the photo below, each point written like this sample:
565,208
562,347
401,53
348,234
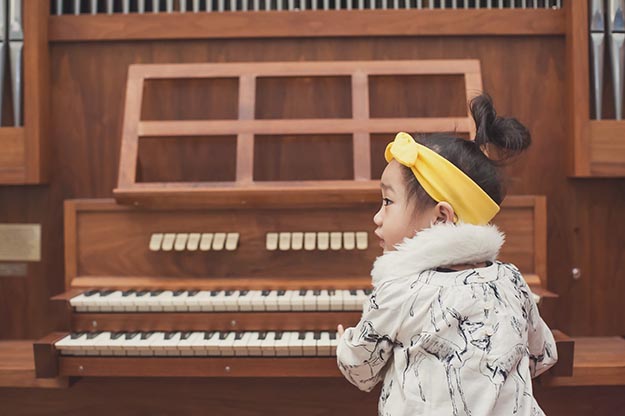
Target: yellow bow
442,180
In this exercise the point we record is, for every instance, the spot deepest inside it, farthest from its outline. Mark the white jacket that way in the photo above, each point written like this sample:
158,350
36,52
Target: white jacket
448,342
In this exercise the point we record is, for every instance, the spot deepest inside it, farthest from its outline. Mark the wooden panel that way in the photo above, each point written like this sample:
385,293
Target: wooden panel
12,145
215,321
108,242
17,368
599,361
607,147
307,24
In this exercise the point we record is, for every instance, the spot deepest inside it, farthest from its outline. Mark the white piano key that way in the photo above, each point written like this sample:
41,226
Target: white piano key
253,345
70,344
257,301
284,241
296,344
125,6
226,342
170,344
309,346
168,241
271,301
323,301
349,240
155,241
193,243
155,6
334,340
256,5
271,243
79,302
141,6
77,7
183,6
200,302
115,345
310,241
109,7
139,344
219,241
231,300
281,345
95,343
206,241
240,344
336,300
186,346
180,244
362,240
297,241
169,6
267,344
351,301
310,301
218,300
243,300
232,240
207,345
323,240
297,300
155,345
336,240
285,300
324,346
93,6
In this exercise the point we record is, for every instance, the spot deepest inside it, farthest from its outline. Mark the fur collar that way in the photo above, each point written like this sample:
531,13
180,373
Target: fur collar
437,246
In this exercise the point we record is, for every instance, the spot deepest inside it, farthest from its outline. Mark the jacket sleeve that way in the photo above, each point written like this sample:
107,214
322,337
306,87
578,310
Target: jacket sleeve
364,351
541,344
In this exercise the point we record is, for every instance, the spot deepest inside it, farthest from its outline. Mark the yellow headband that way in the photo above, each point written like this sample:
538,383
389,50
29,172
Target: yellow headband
442,180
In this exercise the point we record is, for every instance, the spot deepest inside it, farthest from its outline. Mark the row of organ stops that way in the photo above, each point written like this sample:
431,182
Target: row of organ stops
78,7
607,31
200,343
135,300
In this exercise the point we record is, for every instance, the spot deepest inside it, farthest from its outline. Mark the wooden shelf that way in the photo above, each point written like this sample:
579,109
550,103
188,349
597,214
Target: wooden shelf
598,361
17,367
306,24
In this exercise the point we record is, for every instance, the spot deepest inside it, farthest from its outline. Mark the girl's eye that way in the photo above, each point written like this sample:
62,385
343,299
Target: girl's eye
386,202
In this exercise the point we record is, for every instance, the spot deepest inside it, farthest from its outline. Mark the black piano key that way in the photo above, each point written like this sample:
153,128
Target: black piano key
281,292
76,335
265,292
332,335
116,335
352,292
91,292
193,293
215,292
170,335
126,293
92,335
178,292
262,335
238,336
229,292
302,335
302,292
223,335
317,335
142,292
244,292
146,335
209,334
368,292
331,292
106,292
155,292
131,335
279,335
316,292
185,335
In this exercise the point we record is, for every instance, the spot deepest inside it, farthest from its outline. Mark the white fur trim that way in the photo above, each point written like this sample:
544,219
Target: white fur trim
436,246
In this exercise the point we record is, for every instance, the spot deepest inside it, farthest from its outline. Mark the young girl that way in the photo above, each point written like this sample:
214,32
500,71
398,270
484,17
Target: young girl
449,330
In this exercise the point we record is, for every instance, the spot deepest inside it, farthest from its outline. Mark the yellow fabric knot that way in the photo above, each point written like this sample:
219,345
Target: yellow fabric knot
442,180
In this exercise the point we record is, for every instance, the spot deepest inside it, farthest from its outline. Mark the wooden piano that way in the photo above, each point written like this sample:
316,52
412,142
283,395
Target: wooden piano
220,280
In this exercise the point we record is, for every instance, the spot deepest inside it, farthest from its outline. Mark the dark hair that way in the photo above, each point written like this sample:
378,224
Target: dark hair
497,140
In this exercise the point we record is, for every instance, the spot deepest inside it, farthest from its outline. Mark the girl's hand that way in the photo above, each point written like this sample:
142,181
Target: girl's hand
340,330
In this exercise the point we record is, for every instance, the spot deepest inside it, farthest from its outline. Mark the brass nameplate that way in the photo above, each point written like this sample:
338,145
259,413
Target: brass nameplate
20,242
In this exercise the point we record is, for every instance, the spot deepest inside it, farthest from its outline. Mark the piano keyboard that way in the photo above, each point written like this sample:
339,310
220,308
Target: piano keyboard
200,343
219,300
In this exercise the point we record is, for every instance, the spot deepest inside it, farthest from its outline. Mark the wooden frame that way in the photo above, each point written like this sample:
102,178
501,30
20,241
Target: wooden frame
307,24
23,158
244,189
598,148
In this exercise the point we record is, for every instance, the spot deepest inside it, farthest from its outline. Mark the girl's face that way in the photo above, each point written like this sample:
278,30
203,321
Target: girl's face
397,218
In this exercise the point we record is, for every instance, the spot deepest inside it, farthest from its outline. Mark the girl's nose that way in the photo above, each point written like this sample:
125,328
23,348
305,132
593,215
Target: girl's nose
377,218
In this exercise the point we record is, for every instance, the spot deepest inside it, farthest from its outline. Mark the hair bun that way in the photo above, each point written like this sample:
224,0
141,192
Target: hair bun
506,134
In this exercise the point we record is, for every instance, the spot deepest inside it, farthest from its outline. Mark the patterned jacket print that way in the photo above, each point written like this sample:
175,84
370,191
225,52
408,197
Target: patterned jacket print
448,342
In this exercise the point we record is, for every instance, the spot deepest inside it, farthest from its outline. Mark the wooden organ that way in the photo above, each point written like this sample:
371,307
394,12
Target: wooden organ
244,278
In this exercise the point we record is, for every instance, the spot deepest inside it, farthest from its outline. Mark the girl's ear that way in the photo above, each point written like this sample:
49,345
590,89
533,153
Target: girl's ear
445,213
